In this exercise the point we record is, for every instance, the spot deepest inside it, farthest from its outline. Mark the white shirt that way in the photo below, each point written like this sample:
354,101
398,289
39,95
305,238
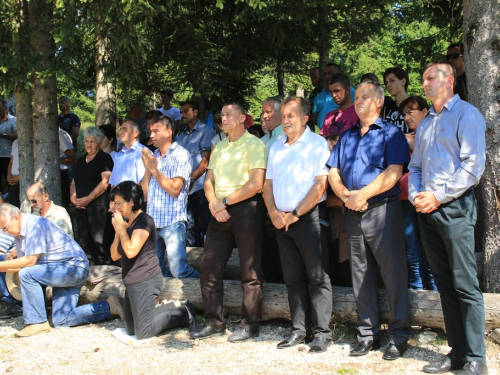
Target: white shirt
294,168
15,158
65,143
173,113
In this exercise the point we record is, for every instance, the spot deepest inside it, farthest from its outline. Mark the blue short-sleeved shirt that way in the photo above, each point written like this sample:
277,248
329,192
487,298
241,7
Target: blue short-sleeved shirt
361,159
324,104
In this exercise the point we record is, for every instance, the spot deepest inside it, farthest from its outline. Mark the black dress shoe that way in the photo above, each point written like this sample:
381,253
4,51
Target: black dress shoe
448,363
364,347
292,340
208,331
242,334
319,345
473,368
11,312
394,351
192,325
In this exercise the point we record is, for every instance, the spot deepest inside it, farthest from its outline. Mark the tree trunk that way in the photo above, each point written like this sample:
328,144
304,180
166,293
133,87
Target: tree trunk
45,127
482,49
425,305
280,77
324,41
24,109
105,98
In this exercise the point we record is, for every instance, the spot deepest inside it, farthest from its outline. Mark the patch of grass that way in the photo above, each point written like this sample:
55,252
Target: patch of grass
342,331
349,371
440,341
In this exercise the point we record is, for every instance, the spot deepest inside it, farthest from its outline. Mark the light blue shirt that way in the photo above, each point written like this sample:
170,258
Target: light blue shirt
449,153
128,165
40,236
196,141
324,104
268,141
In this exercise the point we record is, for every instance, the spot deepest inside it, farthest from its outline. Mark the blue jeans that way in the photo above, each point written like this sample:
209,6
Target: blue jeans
66,281
419,274
4,292
173,239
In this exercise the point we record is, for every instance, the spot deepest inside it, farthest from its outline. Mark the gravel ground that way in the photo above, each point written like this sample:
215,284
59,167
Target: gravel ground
92,349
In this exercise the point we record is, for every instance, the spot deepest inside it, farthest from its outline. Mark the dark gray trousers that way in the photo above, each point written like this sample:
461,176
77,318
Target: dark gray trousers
142,318
448,238
304,260
375,237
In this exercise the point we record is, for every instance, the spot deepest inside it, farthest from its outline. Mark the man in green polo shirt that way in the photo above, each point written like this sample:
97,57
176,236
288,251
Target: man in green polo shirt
234,180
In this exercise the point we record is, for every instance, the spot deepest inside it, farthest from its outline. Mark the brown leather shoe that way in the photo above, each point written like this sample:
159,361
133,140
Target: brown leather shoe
33,329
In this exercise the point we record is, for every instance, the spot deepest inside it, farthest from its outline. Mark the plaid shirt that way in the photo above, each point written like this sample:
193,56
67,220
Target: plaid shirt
162,207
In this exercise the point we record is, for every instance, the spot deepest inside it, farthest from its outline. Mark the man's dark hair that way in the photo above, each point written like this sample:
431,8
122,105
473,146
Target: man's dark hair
304,105
413,102
340,78
129,190
167,92
442,62
399,73
3,102
192,105
460,46
238,106
337,67
166,122
369,77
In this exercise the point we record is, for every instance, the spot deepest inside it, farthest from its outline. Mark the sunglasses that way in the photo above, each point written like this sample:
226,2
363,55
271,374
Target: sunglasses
453,56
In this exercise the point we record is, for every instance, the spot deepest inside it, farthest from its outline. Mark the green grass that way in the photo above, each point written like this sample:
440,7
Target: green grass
349,371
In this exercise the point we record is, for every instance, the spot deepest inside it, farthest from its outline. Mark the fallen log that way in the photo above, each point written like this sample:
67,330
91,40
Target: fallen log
425,305
233,269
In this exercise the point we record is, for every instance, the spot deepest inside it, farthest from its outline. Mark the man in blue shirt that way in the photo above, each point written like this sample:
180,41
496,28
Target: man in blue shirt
448,161
196,137
68,121
366,165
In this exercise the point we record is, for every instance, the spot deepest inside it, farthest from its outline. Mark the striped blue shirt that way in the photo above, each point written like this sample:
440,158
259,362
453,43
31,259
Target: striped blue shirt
162,207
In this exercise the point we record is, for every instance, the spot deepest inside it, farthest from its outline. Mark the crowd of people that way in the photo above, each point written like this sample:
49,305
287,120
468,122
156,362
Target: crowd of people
348,187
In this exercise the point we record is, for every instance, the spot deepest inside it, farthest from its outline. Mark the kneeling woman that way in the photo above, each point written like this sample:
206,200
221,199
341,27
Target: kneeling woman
134,244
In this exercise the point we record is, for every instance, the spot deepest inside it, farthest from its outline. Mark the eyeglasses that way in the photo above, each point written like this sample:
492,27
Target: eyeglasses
6,229
116,204
34,201
453,56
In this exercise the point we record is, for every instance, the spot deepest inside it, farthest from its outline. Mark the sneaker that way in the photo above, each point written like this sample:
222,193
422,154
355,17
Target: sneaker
33,329
115,307
11,312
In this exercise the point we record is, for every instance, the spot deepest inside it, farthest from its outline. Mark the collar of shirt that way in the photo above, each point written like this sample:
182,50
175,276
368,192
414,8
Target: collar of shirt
157,154
378,124
133,147
449,105
49,211
303,138
196,127
240,140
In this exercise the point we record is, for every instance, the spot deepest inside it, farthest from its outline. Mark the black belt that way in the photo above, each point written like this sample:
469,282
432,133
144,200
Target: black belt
373,205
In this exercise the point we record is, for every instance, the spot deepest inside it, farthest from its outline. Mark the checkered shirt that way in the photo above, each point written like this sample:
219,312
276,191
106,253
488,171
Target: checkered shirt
162,207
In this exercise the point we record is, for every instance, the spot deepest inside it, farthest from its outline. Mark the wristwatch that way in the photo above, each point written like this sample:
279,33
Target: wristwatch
294,213
224,202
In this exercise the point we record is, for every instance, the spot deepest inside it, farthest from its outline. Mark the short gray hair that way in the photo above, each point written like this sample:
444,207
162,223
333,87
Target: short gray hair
276,103
8,211
133,124
379,90
92,131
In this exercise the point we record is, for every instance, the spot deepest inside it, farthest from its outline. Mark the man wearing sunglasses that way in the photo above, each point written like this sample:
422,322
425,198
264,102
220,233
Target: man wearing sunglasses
455,57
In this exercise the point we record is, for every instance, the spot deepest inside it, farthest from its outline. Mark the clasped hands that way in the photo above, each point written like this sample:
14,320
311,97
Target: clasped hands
425,202
81,203
354,200
218,210
117,220
282,219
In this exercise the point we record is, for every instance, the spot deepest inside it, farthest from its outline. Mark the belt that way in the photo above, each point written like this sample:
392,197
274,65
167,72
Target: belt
373,205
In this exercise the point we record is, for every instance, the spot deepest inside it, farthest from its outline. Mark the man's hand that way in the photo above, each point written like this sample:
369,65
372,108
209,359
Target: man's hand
82,203
222,216
12,180
150,162
410,137
345,195
425,202
356,201
278,219
216,206
289,220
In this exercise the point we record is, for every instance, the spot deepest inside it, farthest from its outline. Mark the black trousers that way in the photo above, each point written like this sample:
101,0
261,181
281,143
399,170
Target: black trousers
375,238
142,318
304,260
271,263
244,226
95,234
4,169
448,238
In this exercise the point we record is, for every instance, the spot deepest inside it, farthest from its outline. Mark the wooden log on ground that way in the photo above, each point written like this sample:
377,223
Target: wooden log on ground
233,269
425,305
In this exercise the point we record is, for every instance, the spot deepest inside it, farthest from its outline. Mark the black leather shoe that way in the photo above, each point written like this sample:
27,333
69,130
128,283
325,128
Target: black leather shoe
193,325
11,312
473,368
319,345
208,331
394,351
292,340
364,347
448,363
242,334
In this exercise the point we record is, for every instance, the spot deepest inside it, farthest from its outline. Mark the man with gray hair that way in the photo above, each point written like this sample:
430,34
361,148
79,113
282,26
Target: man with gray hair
366,165
272,118
41,205
128,163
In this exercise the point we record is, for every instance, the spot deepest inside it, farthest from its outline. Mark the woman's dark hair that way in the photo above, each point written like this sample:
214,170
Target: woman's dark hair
110,133
129,190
